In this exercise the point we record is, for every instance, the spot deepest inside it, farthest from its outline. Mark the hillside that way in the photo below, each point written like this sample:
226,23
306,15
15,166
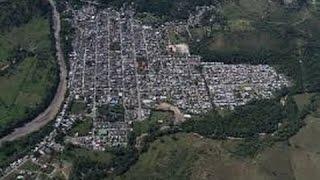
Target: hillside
189,156
28,70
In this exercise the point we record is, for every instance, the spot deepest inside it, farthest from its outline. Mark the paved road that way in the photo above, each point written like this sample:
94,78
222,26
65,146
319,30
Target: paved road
53,109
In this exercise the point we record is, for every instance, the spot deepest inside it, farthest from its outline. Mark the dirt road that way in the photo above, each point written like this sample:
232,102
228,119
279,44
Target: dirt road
53,109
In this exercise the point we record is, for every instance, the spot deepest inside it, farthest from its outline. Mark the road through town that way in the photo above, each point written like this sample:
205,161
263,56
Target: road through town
53,109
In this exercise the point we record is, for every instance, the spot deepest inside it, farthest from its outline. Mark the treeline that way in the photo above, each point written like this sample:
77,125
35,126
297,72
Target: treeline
295,119
259,116
171,10
87,168
299,61
123,157
67,30
16,12
279,122
286,62
311,69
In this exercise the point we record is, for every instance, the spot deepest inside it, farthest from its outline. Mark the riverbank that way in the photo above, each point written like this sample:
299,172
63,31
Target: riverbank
53,109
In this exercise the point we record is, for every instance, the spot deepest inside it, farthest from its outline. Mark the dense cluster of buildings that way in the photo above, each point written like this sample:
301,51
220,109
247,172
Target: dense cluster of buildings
118,61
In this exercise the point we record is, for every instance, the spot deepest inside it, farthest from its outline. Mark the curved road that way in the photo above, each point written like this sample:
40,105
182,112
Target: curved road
53,109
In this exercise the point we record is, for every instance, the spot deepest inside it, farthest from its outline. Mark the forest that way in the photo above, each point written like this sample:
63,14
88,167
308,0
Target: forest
15,13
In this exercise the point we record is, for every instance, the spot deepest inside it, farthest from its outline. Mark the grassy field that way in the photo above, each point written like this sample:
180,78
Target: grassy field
253,26
29,82
305,151
77,107
82,127
156,118
189,156
85,161
261,31
303,99
72,154
33,36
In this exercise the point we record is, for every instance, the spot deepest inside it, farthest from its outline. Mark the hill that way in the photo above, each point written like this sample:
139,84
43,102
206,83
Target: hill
189,156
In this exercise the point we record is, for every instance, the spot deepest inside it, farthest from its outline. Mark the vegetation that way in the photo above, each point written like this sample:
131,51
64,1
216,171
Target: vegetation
11,151
73,153
90,162
260,116
167,10
30,166
96,164
82,128
187,156
167,158
77,107
156,119
16,13
111,112
29,82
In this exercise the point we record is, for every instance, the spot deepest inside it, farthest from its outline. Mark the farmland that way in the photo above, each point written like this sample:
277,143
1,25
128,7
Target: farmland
28,82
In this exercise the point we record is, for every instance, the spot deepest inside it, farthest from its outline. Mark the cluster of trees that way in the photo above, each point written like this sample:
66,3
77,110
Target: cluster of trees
87,168
112,113
259,116
67,34
291,125
247,122
16,12
13,150
171,10
311,69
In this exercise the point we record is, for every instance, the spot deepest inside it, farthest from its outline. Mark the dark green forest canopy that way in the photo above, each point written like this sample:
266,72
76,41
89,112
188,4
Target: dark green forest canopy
16,12
256,117
172,9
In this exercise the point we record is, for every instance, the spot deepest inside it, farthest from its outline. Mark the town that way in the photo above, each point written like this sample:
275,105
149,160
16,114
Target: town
121,70
120,63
